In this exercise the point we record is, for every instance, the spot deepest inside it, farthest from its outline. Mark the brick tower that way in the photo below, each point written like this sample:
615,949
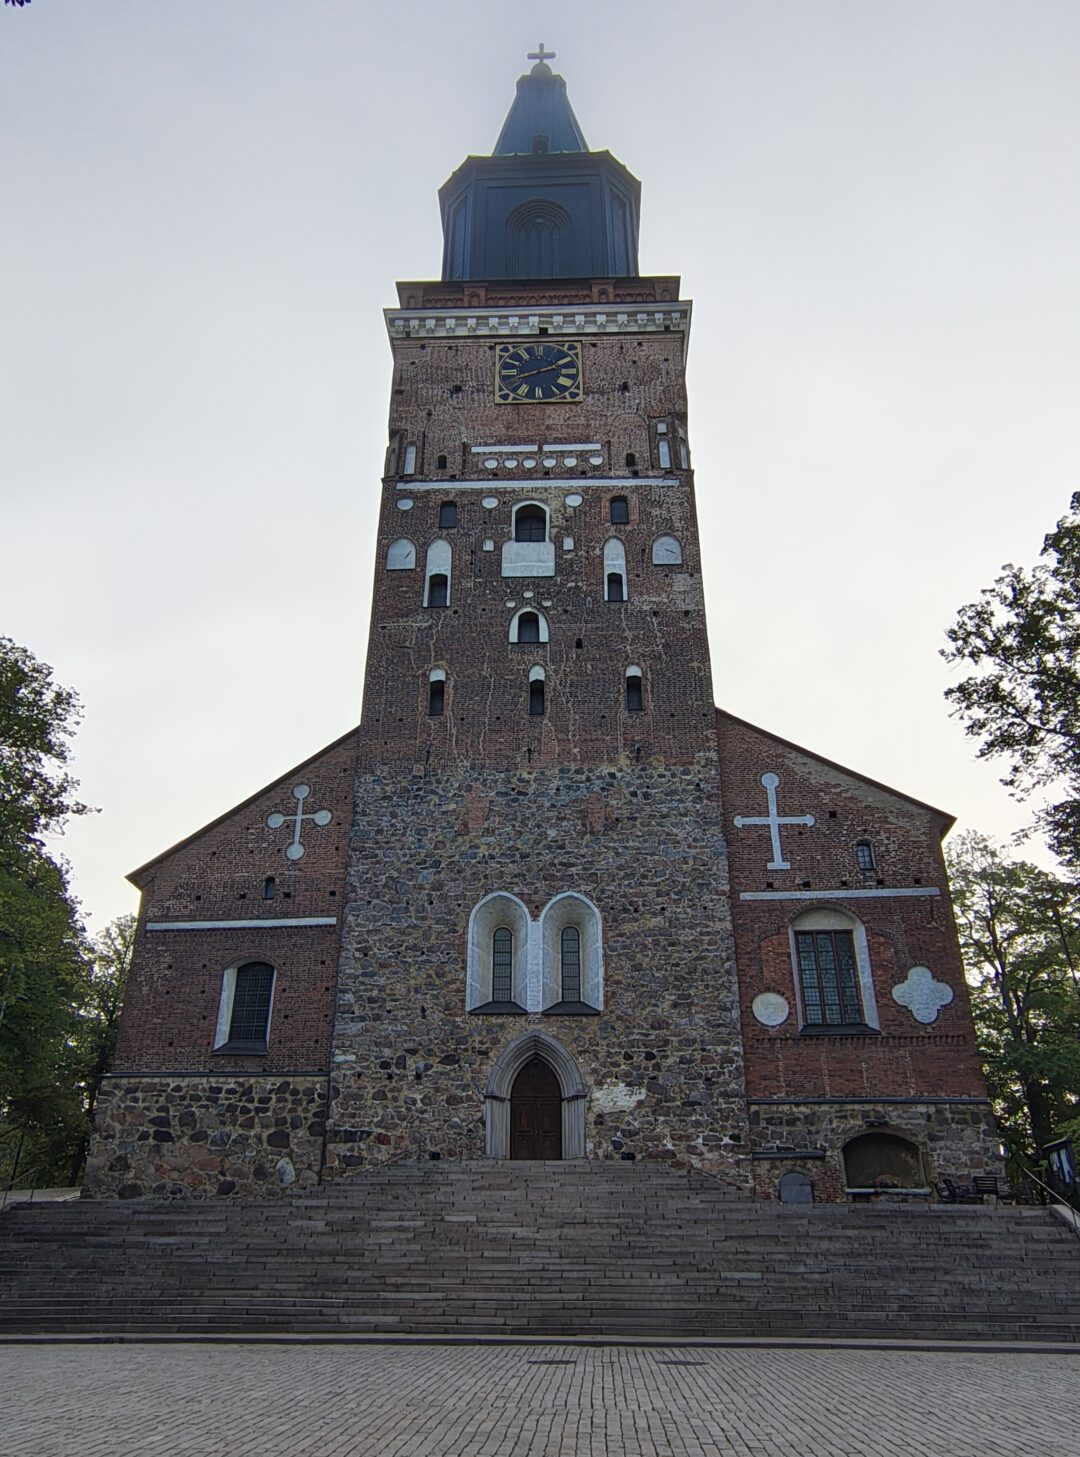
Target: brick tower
537,861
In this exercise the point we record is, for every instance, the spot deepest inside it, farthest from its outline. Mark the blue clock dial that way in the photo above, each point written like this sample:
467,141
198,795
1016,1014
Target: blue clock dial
538,373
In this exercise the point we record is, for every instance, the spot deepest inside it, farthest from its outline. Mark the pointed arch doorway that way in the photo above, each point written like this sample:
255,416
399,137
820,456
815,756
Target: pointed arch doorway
556,1085
536,1113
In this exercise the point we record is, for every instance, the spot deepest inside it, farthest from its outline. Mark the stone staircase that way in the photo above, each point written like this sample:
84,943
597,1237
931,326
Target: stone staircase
478,1249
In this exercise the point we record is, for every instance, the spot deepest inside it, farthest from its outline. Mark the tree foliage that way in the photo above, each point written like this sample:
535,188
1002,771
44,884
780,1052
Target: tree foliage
45,971
1020,936
1023,701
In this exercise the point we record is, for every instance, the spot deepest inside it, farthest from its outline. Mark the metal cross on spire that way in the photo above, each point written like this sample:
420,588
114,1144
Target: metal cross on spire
541,55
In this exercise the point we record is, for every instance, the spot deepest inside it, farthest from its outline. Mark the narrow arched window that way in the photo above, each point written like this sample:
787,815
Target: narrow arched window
502,965
437,574
570,963
635,702
436,692
615,591
530,523
447,514
864,855
614,571
528,627
631,460
440,462
620,506
536,695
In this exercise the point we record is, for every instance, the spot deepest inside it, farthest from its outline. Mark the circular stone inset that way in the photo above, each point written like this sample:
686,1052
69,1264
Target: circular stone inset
405,503
489,502
574,499
770,1008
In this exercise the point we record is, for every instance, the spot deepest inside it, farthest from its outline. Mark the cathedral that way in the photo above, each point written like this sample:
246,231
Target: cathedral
547,901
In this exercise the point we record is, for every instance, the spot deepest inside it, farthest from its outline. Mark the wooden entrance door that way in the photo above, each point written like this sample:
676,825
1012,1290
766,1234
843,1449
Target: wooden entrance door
536,1113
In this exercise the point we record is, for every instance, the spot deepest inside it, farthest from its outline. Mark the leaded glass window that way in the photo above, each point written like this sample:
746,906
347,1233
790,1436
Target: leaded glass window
251,1003
829,979
864,855
502,965
570,962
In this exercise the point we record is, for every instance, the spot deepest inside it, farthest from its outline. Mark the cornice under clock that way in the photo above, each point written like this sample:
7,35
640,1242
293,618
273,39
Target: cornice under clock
515,323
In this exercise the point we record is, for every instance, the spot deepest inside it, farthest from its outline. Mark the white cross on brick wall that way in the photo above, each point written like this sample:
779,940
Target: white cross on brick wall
774,820
319,817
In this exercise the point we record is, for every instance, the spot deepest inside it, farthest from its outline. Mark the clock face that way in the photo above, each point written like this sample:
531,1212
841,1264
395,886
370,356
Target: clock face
536,374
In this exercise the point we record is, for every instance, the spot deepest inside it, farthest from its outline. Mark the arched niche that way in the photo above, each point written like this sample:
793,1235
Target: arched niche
500,1085
879,1159
400,556
572,910
494,911
795,1188
666,551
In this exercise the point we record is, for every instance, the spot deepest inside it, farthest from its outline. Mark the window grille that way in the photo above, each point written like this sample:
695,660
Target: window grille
570,964
828,978
448,514
438,590
530,524
502,965
251,1003
620,506
864,855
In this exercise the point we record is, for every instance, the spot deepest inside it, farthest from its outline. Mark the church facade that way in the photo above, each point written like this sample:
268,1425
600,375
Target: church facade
546,901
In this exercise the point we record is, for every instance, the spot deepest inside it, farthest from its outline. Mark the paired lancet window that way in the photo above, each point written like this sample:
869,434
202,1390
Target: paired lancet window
563,949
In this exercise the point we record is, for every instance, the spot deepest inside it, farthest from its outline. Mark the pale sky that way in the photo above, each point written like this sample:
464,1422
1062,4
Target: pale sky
874,207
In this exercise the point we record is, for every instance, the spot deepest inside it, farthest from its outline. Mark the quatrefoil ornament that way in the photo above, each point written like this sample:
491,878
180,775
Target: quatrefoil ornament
922,995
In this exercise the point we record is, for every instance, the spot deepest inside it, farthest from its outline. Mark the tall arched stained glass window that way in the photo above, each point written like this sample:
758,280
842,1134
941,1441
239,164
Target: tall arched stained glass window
502,965
570,964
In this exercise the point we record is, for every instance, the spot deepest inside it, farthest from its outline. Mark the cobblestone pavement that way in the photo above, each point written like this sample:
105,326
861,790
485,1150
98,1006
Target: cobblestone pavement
532,1401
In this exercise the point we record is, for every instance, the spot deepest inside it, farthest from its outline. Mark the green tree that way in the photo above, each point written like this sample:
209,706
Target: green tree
1020,936
1023,701
42,959
97,1021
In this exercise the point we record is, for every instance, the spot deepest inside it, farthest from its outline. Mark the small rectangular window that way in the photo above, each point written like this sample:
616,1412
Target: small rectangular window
436,699
502,965
570,950
864,855
409,468
448,514
536,699
620,511
438,590
634,700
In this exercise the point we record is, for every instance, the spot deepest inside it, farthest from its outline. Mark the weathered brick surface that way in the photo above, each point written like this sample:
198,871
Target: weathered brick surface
245,1135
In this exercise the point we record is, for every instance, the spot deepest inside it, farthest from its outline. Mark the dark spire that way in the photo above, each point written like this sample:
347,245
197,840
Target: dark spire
541,118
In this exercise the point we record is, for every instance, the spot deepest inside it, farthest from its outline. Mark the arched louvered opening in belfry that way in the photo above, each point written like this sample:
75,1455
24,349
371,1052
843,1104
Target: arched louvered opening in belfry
540,240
